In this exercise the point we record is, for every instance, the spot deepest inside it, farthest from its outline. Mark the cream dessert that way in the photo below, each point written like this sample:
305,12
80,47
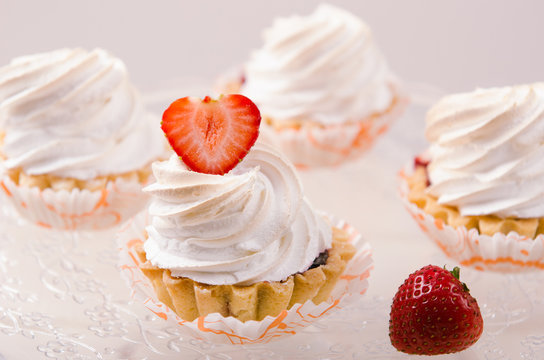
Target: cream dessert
252,224
76,143
230,230
486,153
73,113
324,68
322,85
477,191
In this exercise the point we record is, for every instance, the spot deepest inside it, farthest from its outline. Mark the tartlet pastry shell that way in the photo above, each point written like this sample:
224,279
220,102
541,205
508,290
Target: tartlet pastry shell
190,299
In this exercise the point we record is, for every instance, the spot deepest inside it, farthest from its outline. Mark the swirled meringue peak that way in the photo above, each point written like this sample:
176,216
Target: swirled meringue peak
252,224
323,67
487,153
74,113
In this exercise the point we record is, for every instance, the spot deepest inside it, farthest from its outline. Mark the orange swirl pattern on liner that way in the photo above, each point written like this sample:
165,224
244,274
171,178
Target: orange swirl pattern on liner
101,214
508,259
362,276
334,304
42,224
364,138
71,220
277,323
367,131
6,190
276,329
159,314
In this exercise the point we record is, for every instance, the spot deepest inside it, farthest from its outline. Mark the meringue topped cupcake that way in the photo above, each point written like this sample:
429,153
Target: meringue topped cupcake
248,226
487,156
230,230
484,168
71,120
322,85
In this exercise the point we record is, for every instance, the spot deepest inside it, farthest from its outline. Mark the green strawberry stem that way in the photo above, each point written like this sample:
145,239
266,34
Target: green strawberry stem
456,274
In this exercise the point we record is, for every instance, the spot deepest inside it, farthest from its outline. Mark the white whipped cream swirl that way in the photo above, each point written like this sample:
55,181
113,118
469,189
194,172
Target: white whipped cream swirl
487,152
252,224
323,67
74,113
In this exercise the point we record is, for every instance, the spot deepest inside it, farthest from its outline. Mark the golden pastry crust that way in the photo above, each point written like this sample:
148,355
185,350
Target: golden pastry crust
60,183
190,299
488,224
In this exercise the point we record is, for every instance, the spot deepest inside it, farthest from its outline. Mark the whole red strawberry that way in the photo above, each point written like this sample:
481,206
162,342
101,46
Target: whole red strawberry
433,313
212,136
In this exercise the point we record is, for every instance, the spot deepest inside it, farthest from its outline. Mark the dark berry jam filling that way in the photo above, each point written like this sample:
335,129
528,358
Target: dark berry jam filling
321,259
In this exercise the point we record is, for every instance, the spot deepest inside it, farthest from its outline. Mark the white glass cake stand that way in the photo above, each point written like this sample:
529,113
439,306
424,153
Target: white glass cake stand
61,296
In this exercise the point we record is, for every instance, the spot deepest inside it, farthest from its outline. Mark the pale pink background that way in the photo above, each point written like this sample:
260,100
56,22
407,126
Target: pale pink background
454,45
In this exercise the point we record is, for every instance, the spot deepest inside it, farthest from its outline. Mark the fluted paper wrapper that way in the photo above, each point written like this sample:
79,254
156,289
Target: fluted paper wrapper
76,209
314,145
501,252
352,284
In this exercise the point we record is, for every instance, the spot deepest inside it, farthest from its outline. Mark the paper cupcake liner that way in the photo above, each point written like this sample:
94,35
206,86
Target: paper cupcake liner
77,209
352,284
501,252
314,145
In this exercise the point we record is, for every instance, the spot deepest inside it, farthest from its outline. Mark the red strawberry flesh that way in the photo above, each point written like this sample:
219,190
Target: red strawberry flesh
421,161
212,136
424,162
433,313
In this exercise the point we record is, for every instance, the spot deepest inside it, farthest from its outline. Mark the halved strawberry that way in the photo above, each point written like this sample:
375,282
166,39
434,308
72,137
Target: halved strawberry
212,136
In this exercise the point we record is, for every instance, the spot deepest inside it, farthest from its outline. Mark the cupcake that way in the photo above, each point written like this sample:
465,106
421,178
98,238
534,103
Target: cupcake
230,232
477,191
322,85
76,143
